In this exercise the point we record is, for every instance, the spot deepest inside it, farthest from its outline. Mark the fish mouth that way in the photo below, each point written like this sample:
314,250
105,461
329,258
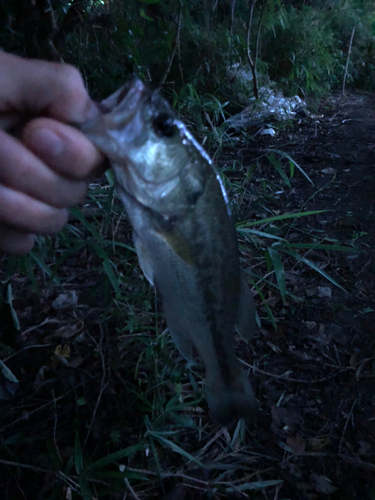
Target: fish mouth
125,103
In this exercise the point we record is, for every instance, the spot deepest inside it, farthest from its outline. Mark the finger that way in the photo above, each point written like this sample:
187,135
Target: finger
20,211
66,150
22,171
15,242
39,87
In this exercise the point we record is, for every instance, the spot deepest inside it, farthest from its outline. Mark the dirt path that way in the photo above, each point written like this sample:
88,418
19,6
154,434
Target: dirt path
324,408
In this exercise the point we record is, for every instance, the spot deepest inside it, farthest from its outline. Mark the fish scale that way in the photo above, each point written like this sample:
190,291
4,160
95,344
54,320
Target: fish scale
184,237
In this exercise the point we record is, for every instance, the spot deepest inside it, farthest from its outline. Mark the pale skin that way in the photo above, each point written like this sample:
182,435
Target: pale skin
44,170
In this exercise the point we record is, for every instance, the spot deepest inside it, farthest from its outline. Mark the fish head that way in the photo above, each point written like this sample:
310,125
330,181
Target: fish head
155,158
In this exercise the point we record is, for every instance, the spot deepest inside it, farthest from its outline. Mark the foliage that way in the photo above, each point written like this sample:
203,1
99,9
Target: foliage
303,45
308,50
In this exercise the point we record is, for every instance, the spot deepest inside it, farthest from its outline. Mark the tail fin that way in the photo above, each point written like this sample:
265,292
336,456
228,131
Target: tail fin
230,401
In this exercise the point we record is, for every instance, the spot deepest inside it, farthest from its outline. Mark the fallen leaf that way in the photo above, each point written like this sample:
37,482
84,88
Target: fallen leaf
8,382
318,443
62,350
365,447
310,292
323,484
296,443
329,171
65,300
354,358
76,362
324,291
40,376
310,325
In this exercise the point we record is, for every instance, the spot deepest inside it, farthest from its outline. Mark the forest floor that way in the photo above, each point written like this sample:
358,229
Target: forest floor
105,405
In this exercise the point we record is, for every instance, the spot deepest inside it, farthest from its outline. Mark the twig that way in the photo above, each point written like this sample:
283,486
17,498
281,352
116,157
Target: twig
25,349
253,62
24,466
278,488
132,492
55,426
36,410
232,8
177,38
347,61
248,53
346,424
285,377
103,385
44,322
358,463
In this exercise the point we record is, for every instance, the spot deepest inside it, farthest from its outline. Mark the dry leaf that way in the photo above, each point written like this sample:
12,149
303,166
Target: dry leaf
323,484
296,443
65,300
318,443
62,350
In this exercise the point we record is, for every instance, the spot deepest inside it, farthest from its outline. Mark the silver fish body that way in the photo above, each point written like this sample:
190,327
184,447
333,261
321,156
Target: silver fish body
184,237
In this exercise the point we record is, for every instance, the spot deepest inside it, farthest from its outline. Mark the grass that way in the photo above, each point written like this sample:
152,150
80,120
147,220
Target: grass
106,406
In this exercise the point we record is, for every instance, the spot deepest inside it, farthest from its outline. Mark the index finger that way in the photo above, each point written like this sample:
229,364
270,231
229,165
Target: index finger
39,88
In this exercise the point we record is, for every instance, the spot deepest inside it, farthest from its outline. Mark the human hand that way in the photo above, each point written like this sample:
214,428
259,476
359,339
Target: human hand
44,170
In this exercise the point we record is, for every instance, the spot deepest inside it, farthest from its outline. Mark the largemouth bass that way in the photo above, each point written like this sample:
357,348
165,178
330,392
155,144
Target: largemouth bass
184,237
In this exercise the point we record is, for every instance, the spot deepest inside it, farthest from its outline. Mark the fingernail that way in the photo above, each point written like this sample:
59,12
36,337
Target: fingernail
46,141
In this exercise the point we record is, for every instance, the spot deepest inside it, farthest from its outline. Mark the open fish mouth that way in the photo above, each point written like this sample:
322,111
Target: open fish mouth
126,101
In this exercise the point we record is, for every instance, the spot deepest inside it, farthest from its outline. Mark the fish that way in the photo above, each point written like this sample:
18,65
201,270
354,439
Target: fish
184,236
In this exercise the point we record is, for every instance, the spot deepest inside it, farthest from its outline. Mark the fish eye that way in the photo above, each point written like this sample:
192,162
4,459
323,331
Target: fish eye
164,125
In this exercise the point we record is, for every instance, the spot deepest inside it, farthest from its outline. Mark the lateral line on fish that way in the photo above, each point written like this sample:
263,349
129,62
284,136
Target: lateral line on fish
185,132
192,139
211,314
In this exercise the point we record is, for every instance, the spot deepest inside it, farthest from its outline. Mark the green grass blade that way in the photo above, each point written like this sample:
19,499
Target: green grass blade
174,447
286,155
277,165
278,218
113,457
322,246
78,461
119,244
256,485
311,264
279,270
79,215
108,268
244,230
85,489
45,268
264,303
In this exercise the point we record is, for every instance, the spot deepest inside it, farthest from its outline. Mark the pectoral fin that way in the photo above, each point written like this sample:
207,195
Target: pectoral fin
174,240
179,244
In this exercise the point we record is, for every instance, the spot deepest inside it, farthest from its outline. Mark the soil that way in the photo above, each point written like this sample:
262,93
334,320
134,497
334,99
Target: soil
314,376
323,401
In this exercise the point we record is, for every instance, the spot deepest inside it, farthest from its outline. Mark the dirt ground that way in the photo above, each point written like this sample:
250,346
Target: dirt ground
314,377
324,405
